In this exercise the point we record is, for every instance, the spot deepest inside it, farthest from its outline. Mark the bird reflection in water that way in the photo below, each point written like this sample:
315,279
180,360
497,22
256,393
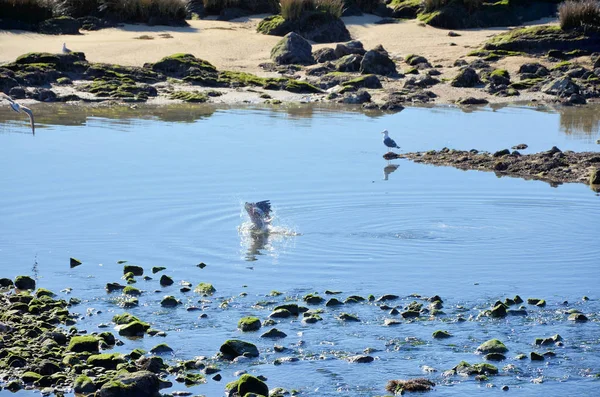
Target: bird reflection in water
257,234
388,169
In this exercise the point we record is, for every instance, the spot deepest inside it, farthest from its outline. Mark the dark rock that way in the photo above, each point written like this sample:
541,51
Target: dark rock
576,99
351,47
43,95
234,347
562,87
536,357
24,283
359,97
84,385
414,60
166,280
421,81
17,93
60,25
533,68
6,282
441,334
292,49
557,54
460,62
161,348
153,364
349,63
495,357
182,65
577,72
169,301
361,359
248,384
466,77
136,384
274,333
595,176
320,70
377,62
312,25
472,101
133,329
93,23
479,64
110,287
324,54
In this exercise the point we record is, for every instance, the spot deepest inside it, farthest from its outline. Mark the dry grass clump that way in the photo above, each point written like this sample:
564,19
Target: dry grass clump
143,10
291,10
410,385
578,14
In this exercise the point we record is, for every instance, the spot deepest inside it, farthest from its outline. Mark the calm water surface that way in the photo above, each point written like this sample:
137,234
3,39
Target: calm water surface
104,185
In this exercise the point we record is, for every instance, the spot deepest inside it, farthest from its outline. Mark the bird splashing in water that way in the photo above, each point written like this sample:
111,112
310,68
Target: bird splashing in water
260,214
20,108
389,142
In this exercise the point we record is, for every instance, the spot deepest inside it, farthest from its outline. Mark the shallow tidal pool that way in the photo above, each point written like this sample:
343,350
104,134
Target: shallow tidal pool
166,187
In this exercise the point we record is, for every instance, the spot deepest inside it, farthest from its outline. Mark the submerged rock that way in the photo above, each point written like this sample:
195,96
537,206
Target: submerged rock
234,347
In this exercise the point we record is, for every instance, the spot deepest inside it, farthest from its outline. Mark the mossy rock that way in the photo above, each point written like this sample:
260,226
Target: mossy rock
139,384
540,39
312,25
30,377
106,360
313,299
492,346
63,62
180,65
157,269
441,334
250,384
578,318
24,283
84,385
161,348
293,308
595,176
129,290
80,344
233,348
205,288
499,311
190,379
274,333
300,87
169,301
527,83
44,292
136,270
124,318
346,317
249,324
133,329
189,96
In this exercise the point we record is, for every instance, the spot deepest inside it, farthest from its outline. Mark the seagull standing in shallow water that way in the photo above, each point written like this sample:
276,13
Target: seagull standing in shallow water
389,142
260,214
18,108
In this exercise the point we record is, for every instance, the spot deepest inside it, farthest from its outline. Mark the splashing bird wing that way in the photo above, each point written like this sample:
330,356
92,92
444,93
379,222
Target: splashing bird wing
264,206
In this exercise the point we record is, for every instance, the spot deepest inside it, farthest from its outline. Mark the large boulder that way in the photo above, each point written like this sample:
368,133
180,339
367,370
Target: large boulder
60,25
292,49
466,77
376,62
135,384
562,87
181,65
312,25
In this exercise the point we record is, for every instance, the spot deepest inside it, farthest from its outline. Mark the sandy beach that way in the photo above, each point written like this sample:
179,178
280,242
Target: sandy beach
237,46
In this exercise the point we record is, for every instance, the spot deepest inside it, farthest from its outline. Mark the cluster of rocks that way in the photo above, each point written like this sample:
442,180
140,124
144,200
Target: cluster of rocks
35,75
553,166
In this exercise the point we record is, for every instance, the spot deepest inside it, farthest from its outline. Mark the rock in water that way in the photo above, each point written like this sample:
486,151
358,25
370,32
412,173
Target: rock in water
292,49
138,384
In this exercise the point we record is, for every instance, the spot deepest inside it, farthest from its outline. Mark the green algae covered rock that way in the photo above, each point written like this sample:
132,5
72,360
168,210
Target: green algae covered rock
205,288
30,377
169,301
24,283
249,324
441,334
233,348
136,270
492,346
180,65
84,385
106,360
134,328
161,348
251,384
124,318
87,343
135,384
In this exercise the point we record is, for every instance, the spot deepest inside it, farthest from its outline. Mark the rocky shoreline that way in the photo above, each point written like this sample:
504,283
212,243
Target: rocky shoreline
41,347
347,73
553,166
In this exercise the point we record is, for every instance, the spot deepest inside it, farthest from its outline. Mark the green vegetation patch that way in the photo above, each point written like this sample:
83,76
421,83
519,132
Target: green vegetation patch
189,96
527,83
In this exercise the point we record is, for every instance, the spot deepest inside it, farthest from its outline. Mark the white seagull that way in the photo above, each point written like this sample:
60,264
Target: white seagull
260,214
65,50
389,142
18,108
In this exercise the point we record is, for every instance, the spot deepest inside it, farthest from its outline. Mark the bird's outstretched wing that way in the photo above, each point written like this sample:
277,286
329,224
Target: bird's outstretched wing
9,99
264,206
30,114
